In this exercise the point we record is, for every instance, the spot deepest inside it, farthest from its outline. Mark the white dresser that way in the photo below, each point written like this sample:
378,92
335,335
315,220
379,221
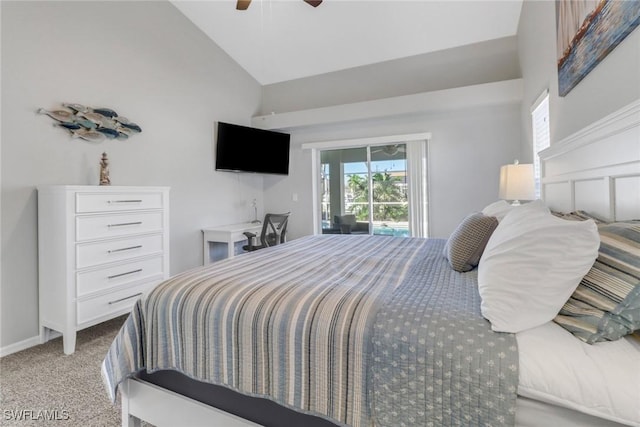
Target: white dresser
99,248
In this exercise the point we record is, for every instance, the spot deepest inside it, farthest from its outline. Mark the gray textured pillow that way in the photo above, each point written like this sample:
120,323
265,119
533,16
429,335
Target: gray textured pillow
466,244
606,304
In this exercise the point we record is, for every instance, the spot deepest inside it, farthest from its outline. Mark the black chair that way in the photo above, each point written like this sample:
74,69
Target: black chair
274,232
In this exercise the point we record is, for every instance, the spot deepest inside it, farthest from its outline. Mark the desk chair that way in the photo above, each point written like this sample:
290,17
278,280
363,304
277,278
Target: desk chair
274,231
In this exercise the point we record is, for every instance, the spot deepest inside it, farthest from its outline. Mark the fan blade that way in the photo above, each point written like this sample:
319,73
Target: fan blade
243,4
314,3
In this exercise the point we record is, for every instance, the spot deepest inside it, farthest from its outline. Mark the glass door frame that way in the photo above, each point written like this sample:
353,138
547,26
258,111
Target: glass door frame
317,147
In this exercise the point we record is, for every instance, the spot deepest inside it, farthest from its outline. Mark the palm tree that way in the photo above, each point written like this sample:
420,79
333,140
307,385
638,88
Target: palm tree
358,188
386,196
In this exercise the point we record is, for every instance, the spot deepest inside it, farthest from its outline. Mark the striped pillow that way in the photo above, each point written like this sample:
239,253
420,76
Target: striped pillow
606,304
466,244
578,216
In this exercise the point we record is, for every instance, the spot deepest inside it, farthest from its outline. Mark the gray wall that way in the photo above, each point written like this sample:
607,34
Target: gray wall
465,154
468,146
485,62
149,63
614,83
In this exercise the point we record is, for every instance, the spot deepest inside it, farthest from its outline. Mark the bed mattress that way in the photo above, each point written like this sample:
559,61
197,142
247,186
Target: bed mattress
601,379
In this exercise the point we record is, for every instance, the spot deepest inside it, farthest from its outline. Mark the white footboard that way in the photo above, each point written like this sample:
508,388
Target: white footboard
164,408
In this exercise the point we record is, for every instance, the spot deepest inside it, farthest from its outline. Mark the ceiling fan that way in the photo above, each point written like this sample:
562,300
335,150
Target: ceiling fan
244,4
390,150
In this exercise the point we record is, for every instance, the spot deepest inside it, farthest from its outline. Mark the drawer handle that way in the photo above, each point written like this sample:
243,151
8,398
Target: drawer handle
125,201
125,298
124,249
124,274
125,223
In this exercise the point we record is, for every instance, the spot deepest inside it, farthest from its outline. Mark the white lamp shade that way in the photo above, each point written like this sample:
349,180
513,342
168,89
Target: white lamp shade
516,182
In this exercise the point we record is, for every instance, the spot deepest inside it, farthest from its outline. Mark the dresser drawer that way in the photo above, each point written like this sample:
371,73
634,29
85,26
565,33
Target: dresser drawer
91,281
101,226
119,301
98,248
109,202
101,252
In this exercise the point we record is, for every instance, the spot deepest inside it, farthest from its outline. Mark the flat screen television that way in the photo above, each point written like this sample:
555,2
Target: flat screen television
246,149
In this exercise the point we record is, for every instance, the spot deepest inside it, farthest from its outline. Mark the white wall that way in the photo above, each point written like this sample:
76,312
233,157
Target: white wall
466,152
149,63
612,84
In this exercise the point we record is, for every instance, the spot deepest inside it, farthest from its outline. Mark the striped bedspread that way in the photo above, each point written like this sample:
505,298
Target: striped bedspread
289,323
293,323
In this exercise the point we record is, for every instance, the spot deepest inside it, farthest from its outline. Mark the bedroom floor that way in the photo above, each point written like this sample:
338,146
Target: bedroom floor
43,382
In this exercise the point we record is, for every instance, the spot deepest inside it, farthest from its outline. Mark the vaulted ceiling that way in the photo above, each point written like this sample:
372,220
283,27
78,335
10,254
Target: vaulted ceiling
282,40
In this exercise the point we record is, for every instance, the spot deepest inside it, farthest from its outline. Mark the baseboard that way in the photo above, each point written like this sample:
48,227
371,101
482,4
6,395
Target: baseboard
23,345
19,346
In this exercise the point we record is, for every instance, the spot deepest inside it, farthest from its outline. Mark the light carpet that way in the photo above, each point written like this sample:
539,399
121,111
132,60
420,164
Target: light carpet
41,386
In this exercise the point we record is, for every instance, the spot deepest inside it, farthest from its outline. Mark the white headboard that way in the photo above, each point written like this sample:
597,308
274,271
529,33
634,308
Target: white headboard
597,169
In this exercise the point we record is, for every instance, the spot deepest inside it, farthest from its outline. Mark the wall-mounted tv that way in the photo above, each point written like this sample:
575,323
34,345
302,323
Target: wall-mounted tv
246,149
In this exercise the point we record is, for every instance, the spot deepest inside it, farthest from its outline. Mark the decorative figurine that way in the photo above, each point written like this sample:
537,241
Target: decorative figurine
104,170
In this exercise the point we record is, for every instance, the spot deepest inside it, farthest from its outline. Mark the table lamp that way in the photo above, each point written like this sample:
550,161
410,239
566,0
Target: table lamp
516,182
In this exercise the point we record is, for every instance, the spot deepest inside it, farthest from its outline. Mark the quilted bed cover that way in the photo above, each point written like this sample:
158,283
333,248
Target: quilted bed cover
359,330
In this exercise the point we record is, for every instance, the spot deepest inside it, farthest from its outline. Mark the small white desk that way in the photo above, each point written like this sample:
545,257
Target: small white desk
227,235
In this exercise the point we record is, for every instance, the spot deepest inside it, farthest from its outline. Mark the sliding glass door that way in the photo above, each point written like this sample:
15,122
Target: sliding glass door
364,190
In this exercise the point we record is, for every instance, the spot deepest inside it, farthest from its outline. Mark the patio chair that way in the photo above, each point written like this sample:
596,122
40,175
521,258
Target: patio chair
347,224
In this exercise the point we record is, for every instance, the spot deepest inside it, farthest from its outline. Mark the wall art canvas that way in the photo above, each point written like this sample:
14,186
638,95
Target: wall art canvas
587,30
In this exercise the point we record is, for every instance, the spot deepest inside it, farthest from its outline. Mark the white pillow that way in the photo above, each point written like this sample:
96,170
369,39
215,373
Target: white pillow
498,209
531,265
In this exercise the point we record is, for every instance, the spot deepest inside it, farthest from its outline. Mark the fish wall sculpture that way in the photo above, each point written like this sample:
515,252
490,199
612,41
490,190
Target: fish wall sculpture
91,124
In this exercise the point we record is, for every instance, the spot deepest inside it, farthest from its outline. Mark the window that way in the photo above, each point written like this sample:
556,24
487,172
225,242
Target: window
375,185
541,136
348,175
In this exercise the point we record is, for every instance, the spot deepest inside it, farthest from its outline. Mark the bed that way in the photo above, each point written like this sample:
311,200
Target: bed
351,330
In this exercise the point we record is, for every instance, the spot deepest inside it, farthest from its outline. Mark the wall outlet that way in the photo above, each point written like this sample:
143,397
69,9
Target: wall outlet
294,197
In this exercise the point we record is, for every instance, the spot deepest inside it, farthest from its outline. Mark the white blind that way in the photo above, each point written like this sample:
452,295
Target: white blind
417,171
541,136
